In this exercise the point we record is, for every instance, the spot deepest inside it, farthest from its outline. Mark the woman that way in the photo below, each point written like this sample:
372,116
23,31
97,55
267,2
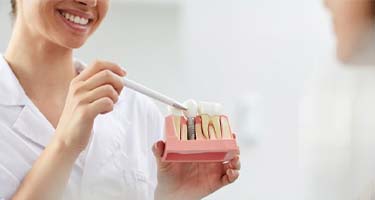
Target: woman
72,132
338,111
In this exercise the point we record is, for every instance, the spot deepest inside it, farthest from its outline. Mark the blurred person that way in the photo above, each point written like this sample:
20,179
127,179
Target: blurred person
72,132
337,138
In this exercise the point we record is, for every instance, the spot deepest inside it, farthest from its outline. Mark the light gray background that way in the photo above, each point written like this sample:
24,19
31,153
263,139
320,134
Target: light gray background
251,55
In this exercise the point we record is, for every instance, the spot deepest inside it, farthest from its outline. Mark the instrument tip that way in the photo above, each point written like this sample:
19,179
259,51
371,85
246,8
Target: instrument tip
181,107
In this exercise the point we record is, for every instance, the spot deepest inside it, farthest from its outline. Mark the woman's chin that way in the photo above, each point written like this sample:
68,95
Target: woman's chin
344,54
71,44
358,49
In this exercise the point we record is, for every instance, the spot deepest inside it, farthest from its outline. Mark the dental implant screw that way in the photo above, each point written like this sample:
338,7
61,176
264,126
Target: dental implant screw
191,128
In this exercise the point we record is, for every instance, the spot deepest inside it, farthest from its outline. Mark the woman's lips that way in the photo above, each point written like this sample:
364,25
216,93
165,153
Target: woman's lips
76,23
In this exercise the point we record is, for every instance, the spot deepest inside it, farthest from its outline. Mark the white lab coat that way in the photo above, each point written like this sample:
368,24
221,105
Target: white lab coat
337,137
118,162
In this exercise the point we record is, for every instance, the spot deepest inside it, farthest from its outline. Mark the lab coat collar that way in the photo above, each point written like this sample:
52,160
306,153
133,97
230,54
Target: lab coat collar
12,93
34,126
30,123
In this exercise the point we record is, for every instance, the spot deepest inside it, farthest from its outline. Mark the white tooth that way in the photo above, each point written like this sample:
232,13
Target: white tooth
77,19
218,109
82,21
215,120
205,123
225,128
198,129
184,135
206,108
212,133
71,18
177,117
192,108
210,113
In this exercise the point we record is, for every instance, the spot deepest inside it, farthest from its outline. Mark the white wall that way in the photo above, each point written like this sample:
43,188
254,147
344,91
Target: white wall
252,56
258,49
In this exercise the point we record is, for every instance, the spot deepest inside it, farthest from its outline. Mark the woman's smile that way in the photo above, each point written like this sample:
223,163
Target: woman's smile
76,21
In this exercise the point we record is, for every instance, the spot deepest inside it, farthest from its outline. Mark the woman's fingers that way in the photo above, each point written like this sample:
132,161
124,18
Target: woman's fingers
98,87
102,106
232,171
233,164
105,77
98,66
101,92
158,150
230,176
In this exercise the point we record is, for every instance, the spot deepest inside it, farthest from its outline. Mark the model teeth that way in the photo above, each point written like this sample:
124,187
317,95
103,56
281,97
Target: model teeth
75,19
203,121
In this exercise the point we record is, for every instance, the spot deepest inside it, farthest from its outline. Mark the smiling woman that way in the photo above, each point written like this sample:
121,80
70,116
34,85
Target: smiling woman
48,18
61,136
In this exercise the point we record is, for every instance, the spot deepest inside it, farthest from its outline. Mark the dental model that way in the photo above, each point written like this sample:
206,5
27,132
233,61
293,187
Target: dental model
200,134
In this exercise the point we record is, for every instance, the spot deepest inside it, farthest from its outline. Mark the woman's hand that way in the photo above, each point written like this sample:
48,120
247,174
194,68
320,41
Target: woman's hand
191,181
94,91
91,93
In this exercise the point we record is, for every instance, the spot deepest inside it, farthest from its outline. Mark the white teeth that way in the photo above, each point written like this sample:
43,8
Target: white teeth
177,117
209,123
218,110
192,108
210,113
210,108
83,21
76,19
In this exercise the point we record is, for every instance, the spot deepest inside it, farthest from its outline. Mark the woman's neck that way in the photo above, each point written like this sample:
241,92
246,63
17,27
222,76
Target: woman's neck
44,70
42,67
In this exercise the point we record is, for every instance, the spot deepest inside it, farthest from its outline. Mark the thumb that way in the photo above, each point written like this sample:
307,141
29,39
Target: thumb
158,150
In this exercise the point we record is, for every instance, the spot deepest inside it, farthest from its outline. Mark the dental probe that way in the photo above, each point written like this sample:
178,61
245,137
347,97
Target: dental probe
153,94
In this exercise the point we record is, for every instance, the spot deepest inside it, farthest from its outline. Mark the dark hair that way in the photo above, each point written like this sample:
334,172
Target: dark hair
14,7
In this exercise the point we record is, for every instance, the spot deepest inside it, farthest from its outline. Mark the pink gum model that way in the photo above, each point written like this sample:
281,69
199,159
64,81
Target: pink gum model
197,150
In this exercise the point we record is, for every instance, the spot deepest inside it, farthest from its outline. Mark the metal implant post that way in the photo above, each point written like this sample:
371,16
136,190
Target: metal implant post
191,128
191,113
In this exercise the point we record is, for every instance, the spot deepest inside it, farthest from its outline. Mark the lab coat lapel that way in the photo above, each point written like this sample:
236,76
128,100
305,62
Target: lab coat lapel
12,94
32,125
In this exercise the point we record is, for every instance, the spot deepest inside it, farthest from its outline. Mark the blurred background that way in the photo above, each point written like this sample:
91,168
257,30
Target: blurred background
252,56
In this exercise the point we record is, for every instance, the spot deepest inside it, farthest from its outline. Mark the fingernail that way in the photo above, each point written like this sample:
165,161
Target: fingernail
159,144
